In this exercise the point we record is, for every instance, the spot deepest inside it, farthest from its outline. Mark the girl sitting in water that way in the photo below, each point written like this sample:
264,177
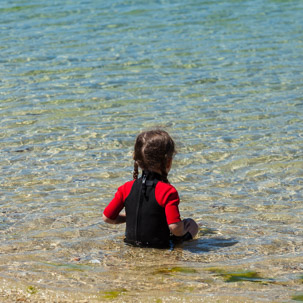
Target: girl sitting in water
151,204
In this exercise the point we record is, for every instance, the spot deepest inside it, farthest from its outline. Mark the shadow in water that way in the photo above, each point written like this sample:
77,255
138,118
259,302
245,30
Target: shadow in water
205,245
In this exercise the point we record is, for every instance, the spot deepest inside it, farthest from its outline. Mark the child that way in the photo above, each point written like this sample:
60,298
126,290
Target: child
151,203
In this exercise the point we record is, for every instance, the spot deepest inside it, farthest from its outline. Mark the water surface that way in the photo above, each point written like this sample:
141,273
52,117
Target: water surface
79,79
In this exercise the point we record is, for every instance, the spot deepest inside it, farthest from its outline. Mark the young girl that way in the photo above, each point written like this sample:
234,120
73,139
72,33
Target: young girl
151,203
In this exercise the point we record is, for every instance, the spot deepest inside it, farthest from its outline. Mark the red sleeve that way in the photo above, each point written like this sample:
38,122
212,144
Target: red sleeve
167,197
113,209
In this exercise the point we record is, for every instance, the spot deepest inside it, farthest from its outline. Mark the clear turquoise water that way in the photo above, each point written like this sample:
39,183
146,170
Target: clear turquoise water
79,79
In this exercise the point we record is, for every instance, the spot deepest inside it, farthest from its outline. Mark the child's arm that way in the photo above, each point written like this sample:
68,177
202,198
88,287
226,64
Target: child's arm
177,229
121,218
111,213
167,196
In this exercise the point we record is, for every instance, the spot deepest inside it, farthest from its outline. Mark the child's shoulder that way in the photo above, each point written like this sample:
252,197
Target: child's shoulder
126,187
165,189
128,184
167,186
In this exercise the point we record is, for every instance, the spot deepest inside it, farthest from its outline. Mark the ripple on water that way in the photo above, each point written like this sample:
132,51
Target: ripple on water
79,81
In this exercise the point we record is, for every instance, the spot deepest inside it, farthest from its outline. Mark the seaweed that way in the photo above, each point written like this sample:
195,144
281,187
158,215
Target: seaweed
32,290
240,276
298,298
184,270
112,294
250,276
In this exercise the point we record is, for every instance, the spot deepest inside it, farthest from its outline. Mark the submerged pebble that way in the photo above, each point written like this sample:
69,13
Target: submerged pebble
94,261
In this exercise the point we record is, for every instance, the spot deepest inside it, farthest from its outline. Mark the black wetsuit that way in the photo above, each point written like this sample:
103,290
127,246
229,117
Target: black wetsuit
146,223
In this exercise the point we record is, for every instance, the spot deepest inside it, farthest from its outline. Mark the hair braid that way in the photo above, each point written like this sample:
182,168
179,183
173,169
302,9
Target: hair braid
163,170
136,172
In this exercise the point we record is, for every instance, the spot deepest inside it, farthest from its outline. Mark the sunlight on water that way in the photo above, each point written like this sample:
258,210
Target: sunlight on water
79,79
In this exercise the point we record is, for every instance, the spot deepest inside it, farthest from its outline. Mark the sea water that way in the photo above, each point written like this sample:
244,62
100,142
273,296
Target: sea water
80,79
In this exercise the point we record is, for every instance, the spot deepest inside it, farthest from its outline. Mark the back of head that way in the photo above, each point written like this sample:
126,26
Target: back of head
153,150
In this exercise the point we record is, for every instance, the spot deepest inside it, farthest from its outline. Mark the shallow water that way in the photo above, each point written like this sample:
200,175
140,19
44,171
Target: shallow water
79,79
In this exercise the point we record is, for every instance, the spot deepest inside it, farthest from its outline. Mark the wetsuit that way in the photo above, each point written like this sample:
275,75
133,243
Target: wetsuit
150,206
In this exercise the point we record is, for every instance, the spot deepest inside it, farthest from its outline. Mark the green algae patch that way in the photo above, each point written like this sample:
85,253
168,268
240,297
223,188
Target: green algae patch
185,270
31,290
250,276
112,294
298,298
167,271
240,276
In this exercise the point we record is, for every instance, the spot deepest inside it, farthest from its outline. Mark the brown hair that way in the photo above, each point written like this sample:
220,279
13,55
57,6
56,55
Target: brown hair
153,149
